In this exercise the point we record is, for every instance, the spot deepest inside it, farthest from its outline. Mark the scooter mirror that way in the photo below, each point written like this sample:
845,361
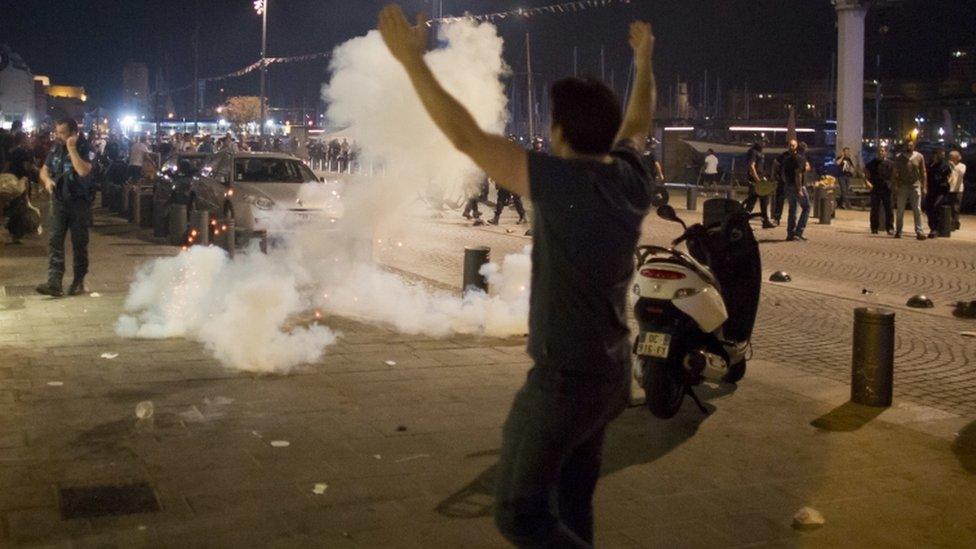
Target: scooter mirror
665,211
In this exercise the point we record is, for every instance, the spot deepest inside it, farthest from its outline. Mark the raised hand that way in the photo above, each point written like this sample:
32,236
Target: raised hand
406,43
72,141
641,39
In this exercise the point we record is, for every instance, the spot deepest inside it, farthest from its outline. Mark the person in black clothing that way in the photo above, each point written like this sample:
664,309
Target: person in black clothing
879,173
590,198
20,163
937,190
780,199
755,164
66,176
476,195
504,197
795,167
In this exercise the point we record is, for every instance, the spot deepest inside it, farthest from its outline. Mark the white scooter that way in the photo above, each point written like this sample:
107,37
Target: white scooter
696,309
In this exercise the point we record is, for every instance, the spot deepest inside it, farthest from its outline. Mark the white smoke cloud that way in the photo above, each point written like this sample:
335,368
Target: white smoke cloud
244,310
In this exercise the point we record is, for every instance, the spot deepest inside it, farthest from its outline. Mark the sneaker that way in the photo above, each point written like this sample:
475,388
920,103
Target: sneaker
890,232
493,221
768,225
466,215
51,289
920,236
897,235
521,221
933,234
78,288
801,238
790,238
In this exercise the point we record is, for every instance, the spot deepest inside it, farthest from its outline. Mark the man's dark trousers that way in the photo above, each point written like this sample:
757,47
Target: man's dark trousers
778,201
68,216
794,197
551,454
881,202
502,200
750,202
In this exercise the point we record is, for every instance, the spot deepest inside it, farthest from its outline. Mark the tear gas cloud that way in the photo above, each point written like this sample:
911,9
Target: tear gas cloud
245,310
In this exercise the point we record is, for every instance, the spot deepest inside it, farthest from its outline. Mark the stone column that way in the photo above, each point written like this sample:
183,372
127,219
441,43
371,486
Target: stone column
850,75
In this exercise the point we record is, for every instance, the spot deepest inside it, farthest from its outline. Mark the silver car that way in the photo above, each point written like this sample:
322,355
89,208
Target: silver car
259,190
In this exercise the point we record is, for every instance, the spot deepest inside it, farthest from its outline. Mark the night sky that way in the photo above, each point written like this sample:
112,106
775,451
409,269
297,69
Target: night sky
767,43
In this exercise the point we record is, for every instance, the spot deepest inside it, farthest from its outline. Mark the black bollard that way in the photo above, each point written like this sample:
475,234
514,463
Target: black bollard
177,224
873,362
200,227
135,207
826,210
160,223
474,258
146,210
946,214
692,198
817,198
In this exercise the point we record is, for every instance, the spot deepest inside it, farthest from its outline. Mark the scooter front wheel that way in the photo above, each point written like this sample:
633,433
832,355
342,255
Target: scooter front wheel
735,373
664,387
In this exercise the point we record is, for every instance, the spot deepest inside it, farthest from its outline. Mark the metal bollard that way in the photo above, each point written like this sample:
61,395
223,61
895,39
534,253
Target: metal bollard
124,206
146,210
177,224
873,362
946,214
474,258
692,199
135,207
160,223
818,195
826,210
200,222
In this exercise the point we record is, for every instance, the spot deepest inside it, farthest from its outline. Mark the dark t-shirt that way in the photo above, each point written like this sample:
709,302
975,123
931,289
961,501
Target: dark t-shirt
587,222
880,173
756,157
68,184
794,166
938,175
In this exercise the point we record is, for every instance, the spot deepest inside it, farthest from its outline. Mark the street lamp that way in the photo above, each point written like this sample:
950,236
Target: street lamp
261,7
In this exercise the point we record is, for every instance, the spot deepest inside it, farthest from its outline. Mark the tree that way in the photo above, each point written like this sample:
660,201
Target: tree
243,109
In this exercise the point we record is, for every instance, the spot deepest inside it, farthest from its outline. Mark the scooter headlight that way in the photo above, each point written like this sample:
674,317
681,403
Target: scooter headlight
685,292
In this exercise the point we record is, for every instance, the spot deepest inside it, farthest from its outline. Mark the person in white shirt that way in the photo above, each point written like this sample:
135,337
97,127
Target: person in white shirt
956,185
137,156
187,145
710,171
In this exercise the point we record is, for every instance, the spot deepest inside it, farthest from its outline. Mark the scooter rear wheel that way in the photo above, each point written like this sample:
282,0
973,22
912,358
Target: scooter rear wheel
664,387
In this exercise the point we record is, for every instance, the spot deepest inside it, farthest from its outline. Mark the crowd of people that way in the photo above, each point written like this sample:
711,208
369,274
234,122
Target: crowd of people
896,180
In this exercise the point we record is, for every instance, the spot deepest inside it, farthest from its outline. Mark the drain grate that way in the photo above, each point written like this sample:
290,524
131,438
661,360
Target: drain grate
103,501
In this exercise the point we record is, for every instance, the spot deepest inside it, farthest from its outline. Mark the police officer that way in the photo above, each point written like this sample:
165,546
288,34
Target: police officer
66,176
504,196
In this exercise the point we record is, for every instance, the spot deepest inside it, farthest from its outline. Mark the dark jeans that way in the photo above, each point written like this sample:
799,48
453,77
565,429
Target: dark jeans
933,208
778,201
551,454
503,196
796,196
844,186
750,202
72,216
881,203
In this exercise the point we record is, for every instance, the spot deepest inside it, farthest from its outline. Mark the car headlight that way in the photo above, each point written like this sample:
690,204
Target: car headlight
263,203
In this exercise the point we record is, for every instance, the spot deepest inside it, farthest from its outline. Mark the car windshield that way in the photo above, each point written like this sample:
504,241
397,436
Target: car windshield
272,170
185,165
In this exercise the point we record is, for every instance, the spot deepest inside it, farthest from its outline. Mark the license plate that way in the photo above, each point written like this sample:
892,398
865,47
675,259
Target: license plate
654,344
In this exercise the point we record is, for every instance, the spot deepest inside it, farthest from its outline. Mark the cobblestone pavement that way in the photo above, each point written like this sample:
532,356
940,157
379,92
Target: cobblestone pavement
809,322
403,455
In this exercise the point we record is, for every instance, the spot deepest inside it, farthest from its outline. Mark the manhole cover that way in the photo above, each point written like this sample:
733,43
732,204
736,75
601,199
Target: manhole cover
102,501
16,291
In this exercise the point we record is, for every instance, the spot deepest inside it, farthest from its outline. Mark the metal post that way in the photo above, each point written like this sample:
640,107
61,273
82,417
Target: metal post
873,363
264,64
531,98
946,213
135,207
177,224
692,198
200,222
826,210
474,258
817,198
230,236
145,210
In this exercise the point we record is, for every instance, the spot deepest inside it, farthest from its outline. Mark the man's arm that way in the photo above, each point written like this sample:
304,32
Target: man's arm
81,165
503,161
46,179
639,116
